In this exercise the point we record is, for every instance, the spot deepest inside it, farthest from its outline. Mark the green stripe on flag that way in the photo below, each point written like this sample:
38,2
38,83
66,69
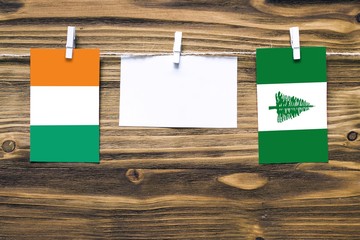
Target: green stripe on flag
64,143
293,146
276,65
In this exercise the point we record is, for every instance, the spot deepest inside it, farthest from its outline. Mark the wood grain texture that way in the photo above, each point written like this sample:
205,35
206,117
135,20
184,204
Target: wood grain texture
166,183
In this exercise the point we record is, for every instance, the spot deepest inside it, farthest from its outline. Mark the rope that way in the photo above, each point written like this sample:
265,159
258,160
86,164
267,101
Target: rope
128,54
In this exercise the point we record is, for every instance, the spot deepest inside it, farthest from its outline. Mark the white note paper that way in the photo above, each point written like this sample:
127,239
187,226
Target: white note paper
200,92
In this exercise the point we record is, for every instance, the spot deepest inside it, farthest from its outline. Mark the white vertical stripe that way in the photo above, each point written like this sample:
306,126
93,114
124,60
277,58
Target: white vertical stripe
314,118
64,105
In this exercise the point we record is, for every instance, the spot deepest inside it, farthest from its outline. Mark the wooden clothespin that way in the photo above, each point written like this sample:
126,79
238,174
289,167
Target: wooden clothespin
70,42
295,42
177,47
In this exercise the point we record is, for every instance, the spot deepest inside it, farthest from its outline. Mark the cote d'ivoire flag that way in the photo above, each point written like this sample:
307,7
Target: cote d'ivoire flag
292,109
64,106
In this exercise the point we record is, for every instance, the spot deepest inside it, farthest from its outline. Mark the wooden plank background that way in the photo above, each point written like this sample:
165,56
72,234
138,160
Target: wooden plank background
180,183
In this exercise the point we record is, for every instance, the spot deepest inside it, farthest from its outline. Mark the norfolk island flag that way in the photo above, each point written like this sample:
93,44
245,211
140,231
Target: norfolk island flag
292,116
64,106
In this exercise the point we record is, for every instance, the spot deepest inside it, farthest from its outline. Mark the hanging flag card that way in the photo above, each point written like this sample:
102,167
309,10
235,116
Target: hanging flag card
196,91
292,110
64,105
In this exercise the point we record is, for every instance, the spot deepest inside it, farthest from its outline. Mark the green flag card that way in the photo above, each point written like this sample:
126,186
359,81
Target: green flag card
292,110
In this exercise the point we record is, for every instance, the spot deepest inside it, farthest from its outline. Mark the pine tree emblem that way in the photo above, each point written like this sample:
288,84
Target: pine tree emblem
289,107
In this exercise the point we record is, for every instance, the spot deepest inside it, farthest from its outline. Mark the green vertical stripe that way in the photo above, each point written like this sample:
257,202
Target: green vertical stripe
295,146
276,65
64,143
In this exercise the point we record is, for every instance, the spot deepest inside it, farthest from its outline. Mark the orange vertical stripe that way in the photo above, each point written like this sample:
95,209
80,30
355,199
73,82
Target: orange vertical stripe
49,67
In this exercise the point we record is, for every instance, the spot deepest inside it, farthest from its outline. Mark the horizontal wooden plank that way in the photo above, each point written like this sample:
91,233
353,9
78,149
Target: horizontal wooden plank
148,26
167,183
89,201
164,147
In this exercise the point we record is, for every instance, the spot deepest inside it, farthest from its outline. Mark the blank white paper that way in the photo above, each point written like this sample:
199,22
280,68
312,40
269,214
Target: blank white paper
200,92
